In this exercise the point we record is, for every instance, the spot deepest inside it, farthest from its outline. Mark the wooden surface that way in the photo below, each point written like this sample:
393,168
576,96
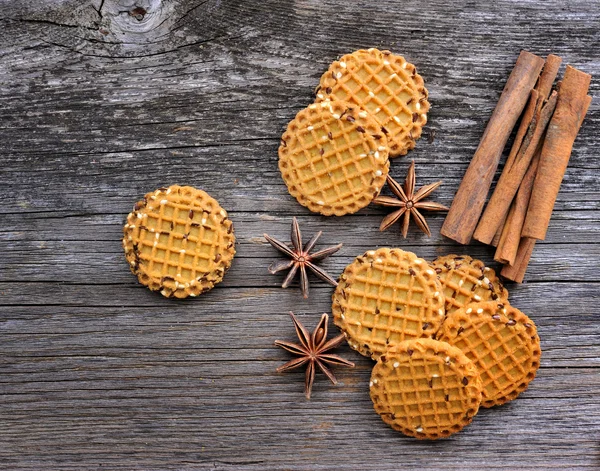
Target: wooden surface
103,101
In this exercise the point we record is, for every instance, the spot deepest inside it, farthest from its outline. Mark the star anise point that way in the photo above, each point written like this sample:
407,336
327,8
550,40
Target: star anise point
409,202
301,258
313,349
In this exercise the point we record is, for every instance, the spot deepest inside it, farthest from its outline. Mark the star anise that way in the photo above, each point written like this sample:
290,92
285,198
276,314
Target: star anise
312,350
409,202
301,258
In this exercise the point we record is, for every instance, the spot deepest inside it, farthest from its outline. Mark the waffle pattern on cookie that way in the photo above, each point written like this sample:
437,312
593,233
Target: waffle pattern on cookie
333,158
179,241
501,341
466,280
425,389
387,87
387,296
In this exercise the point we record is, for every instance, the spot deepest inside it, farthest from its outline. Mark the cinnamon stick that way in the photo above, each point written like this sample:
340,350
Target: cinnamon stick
496,239
508,234
516,272
570,111
511,177
546,80
468,202
539,95
507,238
526,119
508,245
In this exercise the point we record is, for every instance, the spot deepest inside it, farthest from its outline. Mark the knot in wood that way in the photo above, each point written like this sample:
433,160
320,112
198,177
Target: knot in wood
138,13
137,16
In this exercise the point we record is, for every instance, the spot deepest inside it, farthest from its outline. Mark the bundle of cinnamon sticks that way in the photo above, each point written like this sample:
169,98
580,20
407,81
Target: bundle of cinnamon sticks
519,210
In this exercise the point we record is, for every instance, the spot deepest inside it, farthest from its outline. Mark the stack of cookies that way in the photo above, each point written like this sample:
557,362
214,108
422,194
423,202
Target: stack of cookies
445,338
370,105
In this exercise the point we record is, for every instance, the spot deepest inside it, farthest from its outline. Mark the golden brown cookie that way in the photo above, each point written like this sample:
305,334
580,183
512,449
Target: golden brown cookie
179,241
387,296
466,280
425,389
333,158
501,341
387,87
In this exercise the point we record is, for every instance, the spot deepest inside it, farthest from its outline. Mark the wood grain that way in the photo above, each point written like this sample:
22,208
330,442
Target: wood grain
104,100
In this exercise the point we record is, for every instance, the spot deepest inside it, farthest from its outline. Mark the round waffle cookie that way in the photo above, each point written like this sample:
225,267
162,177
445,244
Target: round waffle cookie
333,158
466,280
426,389
387,296
501,341
179,241
387,87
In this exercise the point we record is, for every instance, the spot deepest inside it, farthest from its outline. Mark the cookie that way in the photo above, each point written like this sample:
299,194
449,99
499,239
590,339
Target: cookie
386,86
426,389
178,241
333,158
501,341
466,280
387,296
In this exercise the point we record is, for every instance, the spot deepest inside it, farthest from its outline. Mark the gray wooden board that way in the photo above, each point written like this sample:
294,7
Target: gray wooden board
103,101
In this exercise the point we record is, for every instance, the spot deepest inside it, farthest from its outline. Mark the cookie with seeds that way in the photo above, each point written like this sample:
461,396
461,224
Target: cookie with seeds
387,296
333,158
501,341
466,280
386,86
426,389
179,241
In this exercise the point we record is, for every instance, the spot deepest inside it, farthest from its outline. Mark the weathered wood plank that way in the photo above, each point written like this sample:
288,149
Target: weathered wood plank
27,229
78,188
99,321
518,431
97,262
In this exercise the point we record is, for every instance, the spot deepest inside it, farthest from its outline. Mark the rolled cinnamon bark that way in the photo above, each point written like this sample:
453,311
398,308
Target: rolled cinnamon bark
564,126
526,119
511,177
507,236
516,272
468,202
508,245
543,88
530,119
544,85
496,239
